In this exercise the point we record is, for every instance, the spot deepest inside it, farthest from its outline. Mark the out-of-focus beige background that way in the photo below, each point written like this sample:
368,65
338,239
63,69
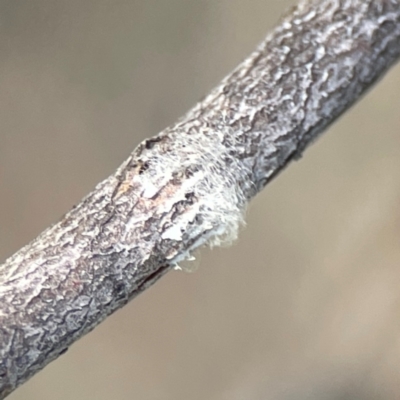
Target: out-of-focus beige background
305,306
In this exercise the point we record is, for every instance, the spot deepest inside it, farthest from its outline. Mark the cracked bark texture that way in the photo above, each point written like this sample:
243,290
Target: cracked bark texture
190,184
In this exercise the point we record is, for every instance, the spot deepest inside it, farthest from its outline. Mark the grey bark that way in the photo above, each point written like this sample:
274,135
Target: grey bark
190,184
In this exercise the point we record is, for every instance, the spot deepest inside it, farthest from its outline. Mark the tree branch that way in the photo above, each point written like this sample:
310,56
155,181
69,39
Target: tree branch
190,184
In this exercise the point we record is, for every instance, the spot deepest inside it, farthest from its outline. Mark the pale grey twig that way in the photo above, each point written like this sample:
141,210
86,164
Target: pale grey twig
190,184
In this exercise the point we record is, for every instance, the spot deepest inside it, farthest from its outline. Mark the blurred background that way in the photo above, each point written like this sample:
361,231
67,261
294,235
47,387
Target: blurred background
306,305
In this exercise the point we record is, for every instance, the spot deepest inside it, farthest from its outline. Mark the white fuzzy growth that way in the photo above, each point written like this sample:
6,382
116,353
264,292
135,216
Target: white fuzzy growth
173,233
190,264
217,211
